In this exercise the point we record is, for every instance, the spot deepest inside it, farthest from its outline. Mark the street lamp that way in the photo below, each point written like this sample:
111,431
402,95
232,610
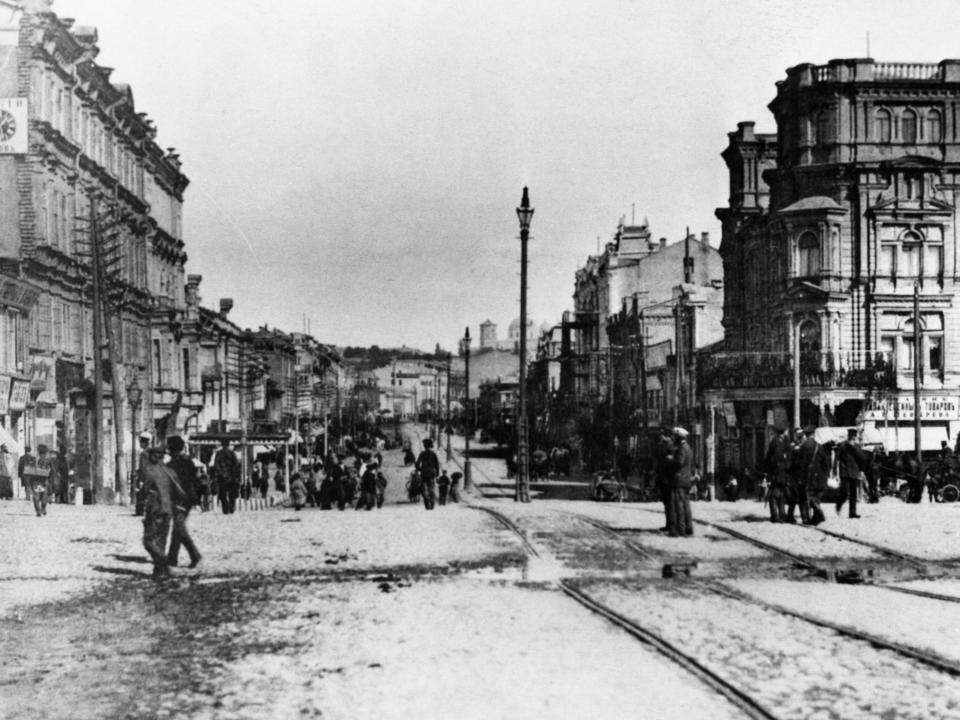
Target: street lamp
467,428
522,494
135,398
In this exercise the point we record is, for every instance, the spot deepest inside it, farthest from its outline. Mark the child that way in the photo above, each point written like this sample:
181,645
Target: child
299,491
443,486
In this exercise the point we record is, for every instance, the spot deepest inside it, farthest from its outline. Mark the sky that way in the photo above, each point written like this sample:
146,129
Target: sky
355,166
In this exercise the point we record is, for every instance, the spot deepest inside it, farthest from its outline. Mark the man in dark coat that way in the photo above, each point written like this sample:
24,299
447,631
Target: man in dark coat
664,473
185,494
428,465
776,462
226,469
800,457
681,464
851,461
158,482
26,460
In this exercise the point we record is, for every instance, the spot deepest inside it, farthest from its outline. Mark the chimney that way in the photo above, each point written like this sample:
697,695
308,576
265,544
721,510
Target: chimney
226,305
705,238
663,242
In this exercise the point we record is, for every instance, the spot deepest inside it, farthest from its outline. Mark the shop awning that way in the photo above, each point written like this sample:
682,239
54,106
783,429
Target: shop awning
7,439
901,438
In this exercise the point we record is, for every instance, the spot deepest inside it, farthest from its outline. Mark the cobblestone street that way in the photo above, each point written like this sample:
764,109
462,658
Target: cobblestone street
400,612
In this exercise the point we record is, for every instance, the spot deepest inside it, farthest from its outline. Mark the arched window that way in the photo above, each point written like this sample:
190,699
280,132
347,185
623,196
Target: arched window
908,126
808,255
884,125
934,132
823,128
910,250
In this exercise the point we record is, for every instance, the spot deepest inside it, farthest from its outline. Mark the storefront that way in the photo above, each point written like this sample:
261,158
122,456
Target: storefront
894,417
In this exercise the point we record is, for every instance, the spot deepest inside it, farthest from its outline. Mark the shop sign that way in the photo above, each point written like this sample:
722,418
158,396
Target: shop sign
938,407
19,395
4,394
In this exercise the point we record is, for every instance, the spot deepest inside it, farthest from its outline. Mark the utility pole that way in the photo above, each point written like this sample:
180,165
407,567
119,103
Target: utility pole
917,377
96,451
449,454
522,493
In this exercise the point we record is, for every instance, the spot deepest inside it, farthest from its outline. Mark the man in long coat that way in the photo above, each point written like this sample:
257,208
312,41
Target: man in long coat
158,488
682,465
851,461
776,462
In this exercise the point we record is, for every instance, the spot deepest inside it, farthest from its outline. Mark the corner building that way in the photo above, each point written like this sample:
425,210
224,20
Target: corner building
832,224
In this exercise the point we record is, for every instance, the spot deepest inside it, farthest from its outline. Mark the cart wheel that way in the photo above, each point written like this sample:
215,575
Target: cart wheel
949,493
904,493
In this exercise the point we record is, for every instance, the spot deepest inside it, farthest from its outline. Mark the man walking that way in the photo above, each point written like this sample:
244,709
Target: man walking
226,470
158,482
428,465
184,497
801,453
27,460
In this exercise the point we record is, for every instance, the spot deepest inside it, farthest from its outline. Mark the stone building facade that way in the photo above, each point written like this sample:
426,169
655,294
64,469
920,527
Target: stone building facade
833,224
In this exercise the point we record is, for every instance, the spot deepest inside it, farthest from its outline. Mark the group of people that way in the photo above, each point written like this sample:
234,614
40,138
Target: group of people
798,471
39,475
673,466
347,479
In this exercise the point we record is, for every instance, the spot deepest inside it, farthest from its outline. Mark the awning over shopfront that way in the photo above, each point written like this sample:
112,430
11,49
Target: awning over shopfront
901,438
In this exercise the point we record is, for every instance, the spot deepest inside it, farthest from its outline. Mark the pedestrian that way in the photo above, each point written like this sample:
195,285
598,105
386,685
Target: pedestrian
663,456
820,466
368,488
850,463
681,463
428,465
203,480
41,485
443,487
800,456
298,491
144,440
226,471
381,487
158,483
184,495
26,460
328,488
776,462
455,487
6,479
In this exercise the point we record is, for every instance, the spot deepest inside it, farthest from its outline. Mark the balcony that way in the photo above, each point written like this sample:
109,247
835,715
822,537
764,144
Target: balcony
772,370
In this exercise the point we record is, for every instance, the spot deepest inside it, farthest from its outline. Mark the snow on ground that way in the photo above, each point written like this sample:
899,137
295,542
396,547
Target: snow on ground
794,669
457,648
873,609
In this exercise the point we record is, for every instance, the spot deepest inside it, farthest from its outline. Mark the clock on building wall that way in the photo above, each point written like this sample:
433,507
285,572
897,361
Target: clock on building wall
13,126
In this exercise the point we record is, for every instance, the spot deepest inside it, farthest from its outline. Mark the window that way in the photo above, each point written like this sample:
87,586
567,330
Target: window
910,256
934,126
808,247
884,125
908,127
823,134
157,366
907,345
186,369
932,260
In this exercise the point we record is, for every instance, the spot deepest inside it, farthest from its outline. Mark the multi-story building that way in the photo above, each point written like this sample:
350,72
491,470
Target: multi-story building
76,154
840,258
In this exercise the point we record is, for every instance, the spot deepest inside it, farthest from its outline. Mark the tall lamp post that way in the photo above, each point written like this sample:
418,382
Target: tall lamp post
522,494
135,398
467,426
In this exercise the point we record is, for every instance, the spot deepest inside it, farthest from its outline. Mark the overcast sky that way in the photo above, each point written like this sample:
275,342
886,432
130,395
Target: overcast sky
359,163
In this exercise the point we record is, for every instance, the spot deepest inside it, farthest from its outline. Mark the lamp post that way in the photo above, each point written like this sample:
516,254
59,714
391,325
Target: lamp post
135,398
447,414
522,494
467,426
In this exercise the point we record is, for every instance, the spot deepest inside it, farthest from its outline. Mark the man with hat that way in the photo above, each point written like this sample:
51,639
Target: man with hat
682,480
226,472
776,462
185,496
801,463
27,460
663,455
851,461
428,465
144,442
158,491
